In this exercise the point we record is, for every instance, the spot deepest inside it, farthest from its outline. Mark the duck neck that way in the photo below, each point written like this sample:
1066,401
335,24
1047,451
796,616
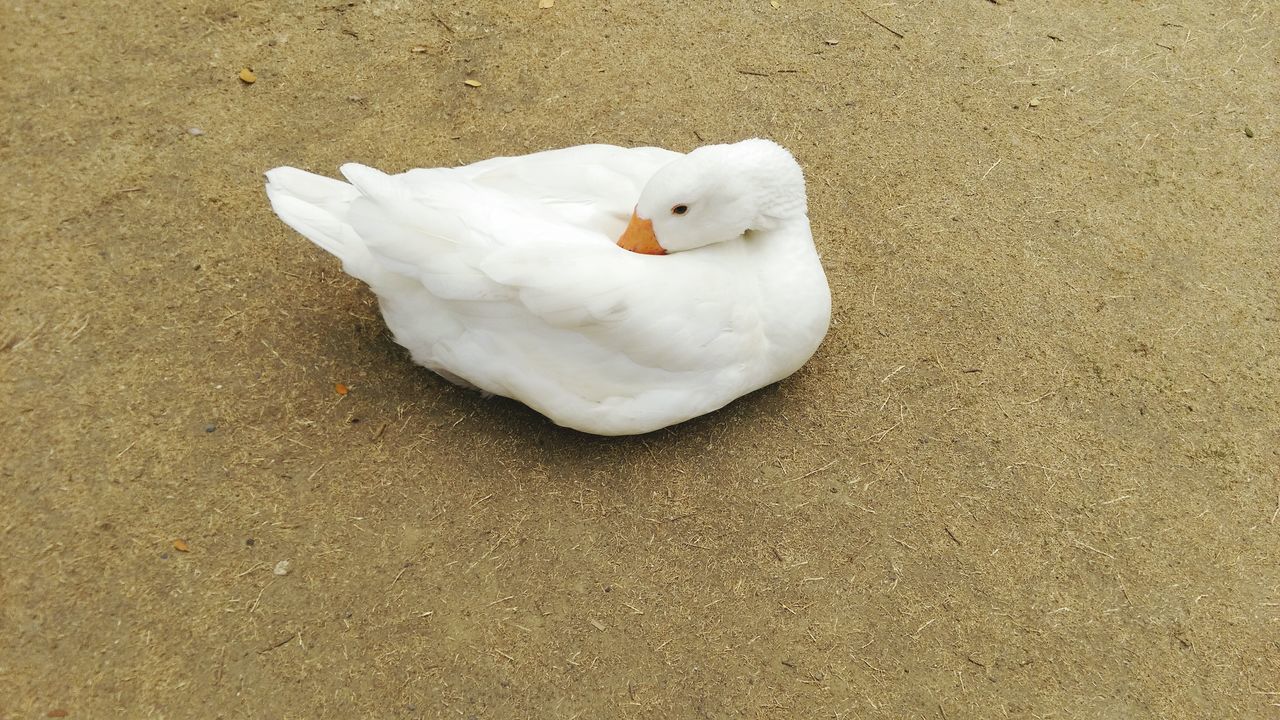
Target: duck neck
779,238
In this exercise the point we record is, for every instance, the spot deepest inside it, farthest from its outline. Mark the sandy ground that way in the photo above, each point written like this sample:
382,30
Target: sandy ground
1032,472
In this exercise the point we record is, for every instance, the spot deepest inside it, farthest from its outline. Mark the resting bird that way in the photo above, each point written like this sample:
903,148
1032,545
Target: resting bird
614,290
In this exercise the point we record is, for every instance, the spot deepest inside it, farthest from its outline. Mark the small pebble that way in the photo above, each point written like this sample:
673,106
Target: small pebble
250,542
1035,102
194,131
210,428
282,568
1248,131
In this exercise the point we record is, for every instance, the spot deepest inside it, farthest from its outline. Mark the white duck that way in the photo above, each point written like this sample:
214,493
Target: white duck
504,275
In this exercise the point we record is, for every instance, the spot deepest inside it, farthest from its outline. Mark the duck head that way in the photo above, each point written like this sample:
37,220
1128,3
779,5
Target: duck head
715,194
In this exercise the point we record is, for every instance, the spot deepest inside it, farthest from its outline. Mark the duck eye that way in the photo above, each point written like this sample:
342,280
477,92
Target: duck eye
679,209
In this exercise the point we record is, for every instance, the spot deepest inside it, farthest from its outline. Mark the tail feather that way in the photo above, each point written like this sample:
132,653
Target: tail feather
317,208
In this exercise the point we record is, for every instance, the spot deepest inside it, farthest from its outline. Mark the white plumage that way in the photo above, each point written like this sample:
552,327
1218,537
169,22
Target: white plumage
504,275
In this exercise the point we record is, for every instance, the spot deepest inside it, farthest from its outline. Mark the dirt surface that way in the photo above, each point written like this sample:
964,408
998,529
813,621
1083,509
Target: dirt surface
1032,472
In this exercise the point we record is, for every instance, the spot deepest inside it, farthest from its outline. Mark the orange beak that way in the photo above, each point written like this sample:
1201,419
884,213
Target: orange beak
639,237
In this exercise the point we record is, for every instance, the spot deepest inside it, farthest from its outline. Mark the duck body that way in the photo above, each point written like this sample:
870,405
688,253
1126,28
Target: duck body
504,275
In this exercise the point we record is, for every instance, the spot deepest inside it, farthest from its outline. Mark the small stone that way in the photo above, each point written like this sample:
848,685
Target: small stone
195,131
247,76
1248,131
281,568
210,428
471,83
1035,102
250,542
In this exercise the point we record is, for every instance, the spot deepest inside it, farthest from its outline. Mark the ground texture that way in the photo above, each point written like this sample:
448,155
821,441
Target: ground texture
1033,472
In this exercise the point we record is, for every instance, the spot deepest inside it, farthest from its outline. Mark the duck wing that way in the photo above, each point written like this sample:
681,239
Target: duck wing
471,244
589,186
484,277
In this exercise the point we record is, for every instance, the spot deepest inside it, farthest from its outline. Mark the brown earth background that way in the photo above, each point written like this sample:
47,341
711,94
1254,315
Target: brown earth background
1033,471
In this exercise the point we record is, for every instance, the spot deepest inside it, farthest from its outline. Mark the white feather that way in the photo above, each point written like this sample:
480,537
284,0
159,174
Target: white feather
504,275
